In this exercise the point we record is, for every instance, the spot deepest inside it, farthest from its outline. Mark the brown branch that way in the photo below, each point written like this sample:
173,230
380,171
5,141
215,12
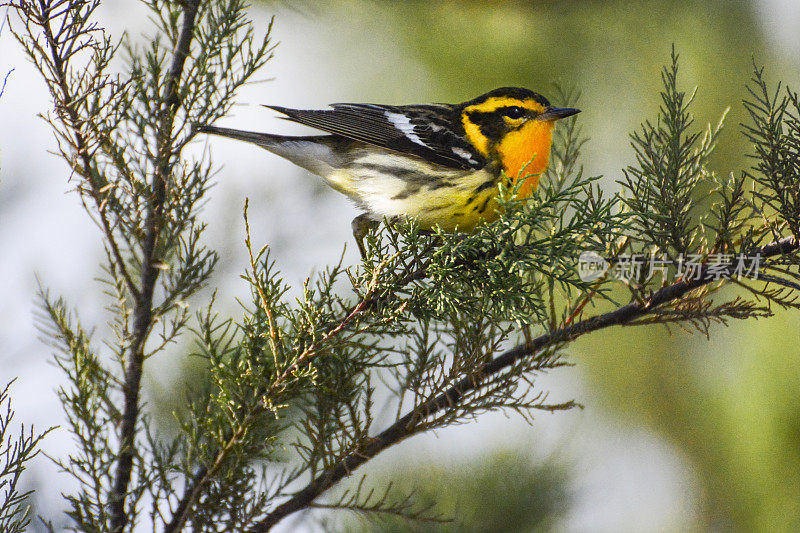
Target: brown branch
408,424
143,313
190,495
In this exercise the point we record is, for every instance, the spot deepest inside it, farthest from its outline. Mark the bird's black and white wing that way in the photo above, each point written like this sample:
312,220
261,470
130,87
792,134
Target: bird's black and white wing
427,131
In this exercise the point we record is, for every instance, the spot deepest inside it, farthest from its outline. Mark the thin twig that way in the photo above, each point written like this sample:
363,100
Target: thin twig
65,103
311,351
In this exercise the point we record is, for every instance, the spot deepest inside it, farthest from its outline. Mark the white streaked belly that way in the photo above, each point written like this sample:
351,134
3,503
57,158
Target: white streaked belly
418,193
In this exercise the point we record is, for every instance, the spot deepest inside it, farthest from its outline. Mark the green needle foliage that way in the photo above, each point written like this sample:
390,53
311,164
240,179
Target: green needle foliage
16,451
670,173
425,333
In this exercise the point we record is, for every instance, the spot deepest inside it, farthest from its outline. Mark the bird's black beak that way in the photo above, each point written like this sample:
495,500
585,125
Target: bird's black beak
557,113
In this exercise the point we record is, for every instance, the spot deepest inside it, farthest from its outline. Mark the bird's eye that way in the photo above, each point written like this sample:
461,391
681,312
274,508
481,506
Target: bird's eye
514,112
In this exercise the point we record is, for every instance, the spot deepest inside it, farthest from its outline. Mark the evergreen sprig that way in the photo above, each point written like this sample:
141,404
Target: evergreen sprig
664,188
16,452
775,134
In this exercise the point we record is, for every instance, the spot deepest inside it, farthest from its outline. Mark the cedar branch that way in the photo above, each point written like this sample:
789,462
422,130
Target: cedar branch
407,425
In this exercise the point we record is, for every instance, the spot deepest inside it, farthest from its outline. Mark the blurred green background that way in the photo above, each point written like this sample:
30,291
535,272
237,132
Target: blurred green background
725,410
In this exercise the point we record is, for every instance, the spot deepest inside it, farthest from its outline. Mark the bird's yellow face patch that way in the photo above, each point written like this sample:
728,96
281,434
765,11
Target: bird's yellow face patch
506,129
474,135
478,133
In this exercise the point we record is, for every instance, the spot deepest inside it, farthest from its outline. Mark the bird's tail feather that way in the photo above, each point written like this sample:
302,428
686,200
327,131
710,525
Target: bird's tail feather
265,140
312,153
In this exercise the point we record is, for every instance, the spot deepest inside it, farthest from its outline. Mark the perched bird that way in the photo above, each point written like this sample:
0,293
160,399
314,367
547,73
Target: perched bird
439,163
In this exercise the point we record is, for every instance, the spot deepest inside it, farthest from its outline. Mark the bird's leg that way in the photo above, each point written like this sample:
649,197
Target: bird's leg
526,332
361,226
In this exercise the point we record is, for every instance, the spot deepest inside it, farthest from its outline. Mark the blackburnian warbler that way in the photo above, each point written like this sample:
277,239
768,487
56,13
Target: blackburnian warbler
439,164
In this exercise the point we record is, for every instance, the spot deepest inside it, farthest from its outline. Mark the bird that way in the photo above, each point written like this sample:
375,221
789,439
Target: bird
439,164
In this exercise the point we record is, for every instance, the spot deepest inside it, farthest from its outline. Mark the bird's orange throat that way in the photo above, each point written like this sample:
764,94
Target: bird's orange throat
525,153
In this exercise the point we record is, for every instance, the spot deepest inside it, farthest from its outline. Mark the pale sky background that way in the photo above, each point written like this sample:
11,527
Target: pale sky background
628,478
